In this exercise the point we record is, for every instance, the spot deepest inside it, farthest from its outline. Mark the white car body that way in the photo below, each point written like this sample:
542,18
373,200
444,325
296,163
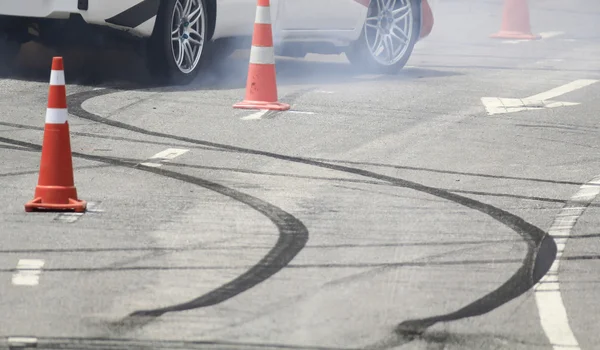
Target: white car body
336,21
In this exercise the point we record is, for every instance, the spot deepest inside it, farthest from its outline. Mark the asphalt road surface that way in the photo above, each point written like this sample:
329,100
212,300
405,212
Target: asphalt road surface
381,212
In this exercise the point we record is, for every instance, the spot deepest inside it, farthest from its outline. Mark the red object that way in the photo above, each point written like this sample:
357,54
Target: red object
56,189
427,20
515,22
261,86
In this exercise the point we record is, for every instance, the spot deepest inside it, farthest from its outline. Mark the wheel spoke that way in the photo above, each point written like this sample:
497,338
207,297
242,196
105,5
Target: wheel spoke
195,16
179,60
195,37
390,4
187,8
402,37
178,10
401,13
189,53
378,47
389,46
380,5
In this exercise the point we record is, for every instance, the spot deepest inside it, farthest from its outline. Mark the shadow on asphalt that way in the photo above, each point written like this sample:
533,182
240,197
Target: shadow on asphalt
126,70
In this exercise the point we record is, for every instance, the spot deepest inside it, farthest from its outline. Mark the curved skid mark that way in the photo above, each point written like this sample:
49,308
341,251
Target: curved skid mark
534,265
293,235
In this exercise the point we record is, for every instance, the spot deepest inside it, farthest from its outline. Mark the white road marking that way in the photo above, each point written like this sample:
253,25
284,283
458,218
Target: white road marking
549,61
324,92
548,35
544,35
22,342
256,116
369,76
561,90
169,154
553,315
301,112
28,272
72,217
497,105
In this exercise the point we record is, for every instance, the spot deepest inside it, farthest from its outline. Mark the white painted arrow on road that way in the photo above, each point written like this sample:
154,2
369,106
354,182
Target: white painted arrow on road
497,105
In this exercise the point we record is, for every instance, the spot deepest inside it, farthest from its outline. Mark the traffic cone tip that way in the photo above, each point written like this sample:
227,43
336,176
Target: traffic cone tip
57,63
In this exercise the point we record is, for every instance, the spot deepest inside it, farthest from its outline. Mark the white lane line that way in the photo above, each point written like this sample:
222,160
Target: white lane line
544,35
553,314
561,90
22,342
369,76
267,115
256,116
549,61
72,217
548,35
28,272
324,92
167,155
301,112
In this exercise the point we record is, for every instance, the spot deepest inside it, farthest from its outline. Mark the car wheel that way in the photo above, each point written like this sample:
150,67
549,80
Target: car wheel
389,35
176,49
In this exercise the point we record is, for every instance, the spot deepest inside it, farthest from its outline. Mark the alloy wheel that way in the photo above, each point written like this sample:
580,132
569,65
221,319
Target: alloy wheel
188,30
389,30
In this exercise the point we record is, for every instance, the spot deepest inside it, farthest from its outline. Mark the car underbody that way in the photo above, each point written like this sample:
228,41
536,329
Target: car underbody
75,32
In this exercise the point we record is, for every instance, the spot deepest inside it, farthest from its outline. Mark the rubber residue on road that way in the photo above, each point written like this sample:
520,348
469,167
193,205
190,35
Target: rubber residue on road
541,248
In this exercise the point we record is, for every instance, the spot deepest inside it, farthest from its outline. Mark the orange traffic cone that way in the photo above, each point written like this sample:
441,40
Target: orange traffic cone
261,87
515,22
56,189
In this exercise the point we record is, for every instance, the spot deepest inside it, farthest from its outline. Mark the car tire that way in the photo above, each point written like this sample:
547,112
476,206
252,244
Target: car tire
360,54
162,53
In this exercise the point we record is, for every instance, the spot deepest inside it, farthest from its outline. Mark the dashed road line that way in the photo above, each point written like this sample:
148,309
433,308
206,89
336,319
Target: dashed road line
22,342
324,92
549,61
256,116
544,35
266,114
28,272
92,207
553,315
158,159
548,35
301,112
369,76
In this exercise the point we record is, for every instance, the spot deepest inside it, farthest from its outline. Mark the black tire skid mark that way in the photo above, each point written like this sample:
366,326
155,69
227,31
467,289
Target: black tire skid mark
293,235
97,136
541,247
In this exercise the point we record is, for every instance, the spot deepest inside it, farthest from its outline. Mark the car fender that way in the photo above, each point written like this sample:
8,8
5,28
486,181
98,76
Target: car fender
134,16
